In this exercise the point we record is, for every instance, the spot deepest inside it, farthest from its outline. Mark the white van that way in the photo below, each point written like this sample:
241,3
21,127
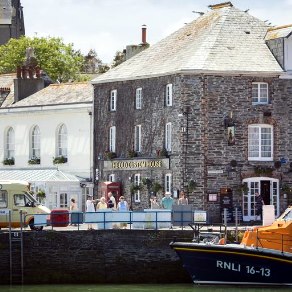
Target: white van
15,197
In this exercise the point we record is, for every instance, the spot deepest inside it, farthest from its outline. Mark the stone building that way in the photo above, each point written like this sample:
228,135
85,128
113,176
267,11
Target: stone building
11,20
208,110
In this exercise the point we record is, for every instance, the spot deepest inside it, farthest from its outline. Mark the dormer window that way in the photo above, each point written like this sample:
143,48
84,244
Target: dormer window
260,93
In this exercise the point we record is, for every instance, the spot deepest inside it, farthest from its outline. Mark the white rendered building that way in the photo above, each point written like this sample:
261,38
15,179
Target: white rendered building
46,139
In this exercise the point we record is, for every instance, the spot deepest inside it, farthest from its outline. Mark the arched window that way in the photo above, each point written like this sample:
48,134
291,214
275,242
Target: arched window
10,143
35,142
62,141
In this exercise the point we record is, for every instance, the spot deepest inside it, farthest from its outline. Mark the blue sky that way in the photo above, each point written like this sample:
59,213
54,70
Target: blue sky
109,25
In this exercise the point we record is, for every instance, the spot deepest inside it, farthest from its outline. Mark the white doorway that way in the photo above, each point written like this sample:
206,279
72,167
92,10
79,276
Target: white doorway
267,187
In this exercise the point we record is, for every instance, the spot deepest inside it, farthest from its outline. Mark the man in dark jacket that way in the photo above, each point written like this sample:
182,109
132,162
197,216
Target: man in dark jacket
259,202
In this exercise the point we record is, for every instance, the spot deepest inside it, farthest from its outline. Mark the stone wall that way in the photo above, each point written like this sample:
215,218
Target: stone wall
98,256
210,99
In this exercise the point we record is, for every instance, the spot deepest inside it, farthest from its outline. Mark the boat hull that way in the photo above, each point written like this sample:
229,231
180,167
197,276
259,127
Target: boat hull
234,264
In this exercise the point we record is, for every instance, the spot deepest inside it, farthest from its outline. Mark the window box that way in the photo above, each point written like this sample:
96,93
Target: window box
9,161
60,160
263,170
34,160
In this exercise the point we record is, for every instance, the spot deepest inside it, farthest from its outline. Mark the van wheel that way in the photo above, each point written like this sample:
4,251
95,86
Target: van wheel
33,227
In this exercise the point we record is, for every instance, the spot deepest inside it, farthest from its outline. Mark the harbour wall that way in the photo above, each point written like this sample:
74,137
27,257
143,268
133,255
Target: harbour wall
97,256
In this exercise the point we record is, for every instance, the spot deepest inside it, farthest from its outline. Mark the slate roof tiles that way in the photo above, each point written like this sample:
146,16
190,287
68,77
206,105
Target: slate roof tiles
225,40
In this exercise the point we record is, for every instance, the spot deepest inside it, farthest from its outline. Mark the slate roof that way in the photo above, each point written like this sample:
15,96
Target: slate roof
63,93
225,40
279,32
6,81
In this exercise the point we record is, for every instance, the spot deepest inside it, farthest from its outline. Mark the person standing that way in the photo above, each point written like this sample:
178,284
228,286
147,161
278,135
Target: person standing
167,201
89,209
154,203
111,203
259,202
123,207
73,205
101,204
73,208
183,200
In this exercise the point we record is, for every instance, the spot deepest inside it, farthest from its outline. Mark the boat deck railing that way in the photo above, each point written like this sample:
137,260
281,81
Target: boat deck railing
204,232
279,240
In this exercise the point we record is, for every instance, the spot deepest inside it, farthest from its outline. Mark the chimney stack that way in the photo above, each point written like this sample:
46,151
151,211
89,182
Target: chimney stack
144,28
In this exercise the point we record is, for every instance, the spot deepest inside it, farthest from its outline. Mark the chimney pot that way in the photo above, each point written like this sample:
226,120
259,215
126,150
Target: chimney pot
144,28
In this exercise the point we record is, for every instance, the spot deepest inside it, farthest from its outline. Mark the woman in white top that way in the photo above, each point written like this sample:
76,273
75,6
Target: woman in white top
90,208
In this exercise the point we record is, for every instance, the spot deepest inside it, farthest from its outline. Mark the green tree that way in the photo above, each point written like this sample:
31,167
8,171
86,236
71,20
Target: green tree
119,58
92,64
60,61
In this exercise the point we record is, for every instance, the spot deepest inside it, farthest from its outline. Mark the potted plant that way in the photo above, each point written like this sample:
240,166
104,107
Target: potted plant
147,181
162,153
40,195
110,155
34,160
243,188
192,185
9,161
286,189
156,187
132,153
134,188
60,160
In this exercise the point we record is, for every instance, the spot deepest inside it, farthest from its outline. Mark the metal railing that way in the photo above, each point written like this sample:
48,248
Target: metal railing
108,219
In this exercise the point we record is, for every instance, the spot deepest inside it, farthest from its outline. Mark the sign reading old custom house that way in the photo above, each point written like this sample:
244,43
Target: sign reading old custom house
137,164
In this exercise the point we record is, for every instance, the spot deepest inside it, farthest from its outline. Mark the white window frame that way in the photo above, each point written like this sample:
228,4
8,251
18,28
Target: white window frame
168,134
137,182
10,143
139,98
112,177
64,200
62,141
248,198
168,183
112,139
137,138
168,94
113,100
35,142
260,93
256,142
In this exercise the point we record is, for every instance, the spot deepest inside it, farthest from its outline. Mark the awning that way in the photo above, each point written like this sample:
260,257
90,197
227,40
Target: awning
38,175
